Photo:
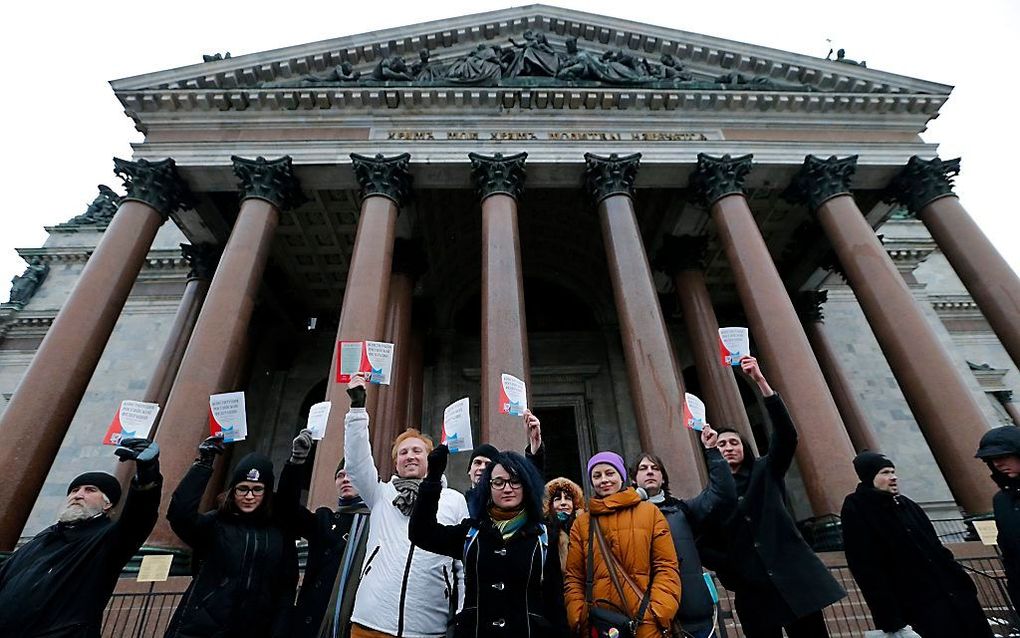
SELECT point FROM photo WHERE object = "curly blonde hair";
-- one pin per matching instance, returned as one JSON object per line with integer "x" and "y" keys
{"x": 565, "y": 486}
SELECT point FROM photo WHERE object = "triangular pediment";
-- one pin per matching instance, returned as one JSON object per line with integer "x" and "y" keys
{"x": 532, "y": 46}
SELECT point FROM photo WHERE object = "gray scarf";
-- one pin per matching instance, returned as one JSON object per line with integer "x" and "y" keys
{"x": 407, "y": 493}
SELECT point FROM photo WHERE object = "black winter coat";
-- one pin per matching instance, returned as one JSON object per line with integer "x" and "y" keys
{"x": 509, "y": 592}
{"x": 758, "y": 553}
{"x": 685, "y": 518}
{"x": 247, "y": 570}
{"x": 1006, "y": 503}
{"x": 906, "y": 575}
{"x": 327, "y": 534}
{"x": 57, "y": 585}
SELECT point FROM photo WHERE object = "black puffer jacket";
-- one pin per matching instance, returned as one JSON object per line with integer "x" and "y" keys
{"x": 508, "y": 590}
{"x": 1003, "y": 441}
{"x": 905, "y": 573}
{"x": 685, "y": 518}
{"x": 758, "y": 552}
{"x": 247, "y": 570}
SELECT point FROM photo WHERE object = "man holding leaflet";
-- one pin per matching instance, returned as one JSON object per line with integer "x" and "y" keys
{"x": 328, "y": 532}
{"x": 405, "y": 591}
{"x": 482, "y": 455}
{"x": 757, "y": 551}
{"x": 57, "y": 585}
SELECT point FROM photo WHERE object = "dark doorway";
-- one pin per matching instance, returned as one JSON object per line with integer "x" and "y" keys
{"x": 559, "y": 437}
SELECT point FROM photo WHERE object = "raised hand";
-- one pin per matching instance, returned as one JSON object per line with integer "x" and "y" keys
{"x": 356, "y": 389}
{"x": 301, "y": 447}
{"x": 534, "y": 431}
{"x": 709, "y": 437}
{"x": 209, "y": 449}
{"x": 437, "y": 463}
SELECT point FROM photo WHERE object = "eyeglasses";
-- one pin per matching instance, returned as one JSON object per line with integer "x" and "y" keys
{"x": 500, "y": 483}
{"x": 244, "y": 490}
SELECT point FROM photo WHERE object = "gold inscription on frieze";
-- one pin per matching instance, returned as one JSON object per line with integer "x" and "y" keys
{"x": 410, "y": 135}
{"x": 565, "y": 136}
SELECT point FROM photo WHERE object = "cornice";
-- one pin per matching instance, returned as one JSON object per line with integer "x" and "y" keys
{"x": 156, "y": 259}
{"x": 138, "y": 103}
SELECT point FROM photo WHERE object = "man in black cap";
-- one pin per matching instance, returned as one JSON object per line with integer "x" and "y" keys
{"x": 1000, "y": 449}
{"x": 336, "y": 546}
{"x": 906, "y": 575}
{"x": 482, "y": 455}
{"x": 57, "y": 585}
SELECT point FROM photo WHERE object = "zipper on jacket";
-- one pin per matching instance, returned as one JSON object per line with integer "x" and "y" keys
{"x": 527, "y": 584}
{"x": 403, "y": 592}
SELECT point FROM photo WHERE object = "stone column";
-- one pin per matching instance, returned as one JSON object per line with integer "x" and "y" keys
{"x": 202, "y": 258}
{"x": 809, "y": 305}
{"x": 500, "y": 181}
{"x": 824, "y": 452}
{"x": 216, "y": 349}
{"x": 391, "y": 413}
{"x": 656, "y": 387}
{"x": 416, "y": 376}
{"x": 46, "y": 399}
{"x": 385, "y": 184}
{"x": 945, "y": 409}
{"x": 682, "y": 258}
{"x": 926, "y": 189}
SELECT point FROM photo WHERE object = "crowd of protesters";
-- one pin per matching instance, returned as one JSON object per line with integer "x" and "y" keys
{"x": 407, "y": 556}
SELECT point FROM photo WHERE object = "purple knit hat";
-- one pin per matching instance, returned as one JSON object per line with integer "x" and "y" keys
{"x": 611, "y": 458}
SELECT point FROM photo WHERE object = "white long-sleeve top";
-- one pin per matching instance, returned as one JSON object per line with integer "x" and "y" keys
{"x": 404, "y": 590}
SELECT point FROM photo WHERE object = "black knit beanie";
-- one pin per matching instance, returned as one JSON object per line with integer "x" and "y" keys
{"x": 869, "y": 464}
{"x": 486, "y": 450}
{"x": 256, "y": 468}
{"x": 107, "y": 484}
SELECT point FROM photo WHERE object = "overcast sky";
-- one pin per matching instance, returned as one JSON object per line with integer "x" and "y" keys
{"x": 62, "y": 125}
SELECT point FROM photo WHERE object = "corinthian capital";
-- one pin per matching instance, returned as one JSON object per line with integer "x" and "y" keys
{"x": 923, "y": 181}
{"x": 819, "y": 180}
{"x": 716, "y": 177}
{"x": 613, "y": 175}
{"x": 498, "y": 174}
{"x": 383, "y": 176}
{"x": 154, "y": 183}
{"x": 271, "y": 180}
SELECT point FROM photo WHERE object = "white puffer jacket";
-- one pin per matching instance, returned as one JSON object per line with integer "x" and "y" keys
{"x": 404, "y": 590}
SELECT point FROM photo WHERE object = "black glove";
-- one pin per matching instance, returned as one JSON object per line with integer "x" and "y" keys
{"x": 437, "y": 463}
{"x": 301, "y": 447}
{"x": 145, "y": 454}
{"x": 208, "y": 449}
{"x": 357, "y": 395}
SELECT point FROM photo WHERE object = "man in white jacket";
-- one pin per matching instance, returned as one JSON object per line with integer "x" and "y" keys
{"x": 405, "y": 591}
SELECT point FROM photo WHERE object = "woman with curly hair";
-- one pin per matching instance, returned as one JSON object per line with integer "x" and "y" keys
{"x": 513, "y": 583}
{"x": 563, "y": 501}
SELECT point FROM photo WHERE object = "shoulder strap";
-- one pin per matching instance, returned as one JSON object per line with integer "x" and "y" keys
{"x": 614, "y": 566}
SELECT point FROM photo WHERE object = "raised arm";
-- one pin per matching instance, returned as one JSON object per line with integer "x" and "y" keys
{"x": 783, "y": 444}
{"x": 719, "y": 497}
{"x": 357, "y": 447}
{"x": 141, "y": 508}
{"x": 423, "y": 529}
{"x": 288, "y": 492}
{"x": 193, "y": 528}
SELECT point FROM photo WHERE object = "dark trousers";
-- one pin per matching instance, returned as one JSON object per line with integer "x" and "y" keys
{"x": 810, "y": 626}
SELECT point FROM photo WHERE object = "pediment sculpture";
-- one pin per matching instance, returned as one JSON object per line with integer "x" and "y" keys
{"x": 534, "y": 61}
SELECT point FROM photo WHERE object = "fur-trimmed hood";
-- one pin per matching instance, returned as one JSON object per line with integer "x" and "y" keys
{"x": 562, "y": 484}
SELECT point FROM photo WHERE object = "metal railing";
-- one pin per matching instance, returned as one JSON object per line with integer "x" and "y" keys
{"x": 139, "y": 615}
{"x": 146, "y": 615}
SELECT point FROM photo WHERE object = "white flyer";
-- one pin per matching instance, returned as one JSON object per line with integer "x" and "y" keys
{"x": 133, "y": 420}
{"x": 694, "y": 412}
{"x": 513, "y": 395}
{"x": 227, "y": 416}
{"x": 734, "y": 344}
{"x": 379, "y": 356}
{"x": 318, "y": 416}
{"x": 457, "y": 426}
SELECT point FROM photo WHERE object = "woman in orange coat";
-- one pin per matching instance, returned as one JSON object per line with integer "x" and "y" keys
{"x": 641, "y": 555}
